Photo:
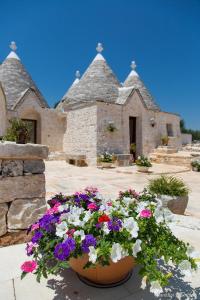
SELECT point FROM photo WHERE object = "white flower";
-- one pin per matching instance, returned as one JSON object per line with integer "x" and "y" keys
{"x": 185, "y": 268}
{"x": 61, "y": 229}
{"x": 87, "y": 216}
{"x": 158, "y": 214}
{"x": 63, "y": 207}
{"x": 131, "y": 226}
{"x": 128, "y": 200}
{"x": 124, "y": 211}
{"x": 142, "y": 205}
{"x": 116, "y": 252}
{"x": 105, "y": 228}
{"x": 156, "y": 288}
{"x": 136, "y": 247}
{"x": 92, "y": 254}
{"x": 80, "y": 233}
{"x": 124, "y": 253}
{"x": 144, "y": 282}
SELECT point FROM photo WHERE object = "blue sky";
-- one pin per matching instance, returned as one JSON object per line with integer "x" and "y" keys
{"x": 57, "y": 37}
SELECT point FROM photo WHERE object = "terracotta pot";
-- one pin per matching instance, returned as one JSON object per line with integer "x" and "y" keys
{"x": 176, "y": 205}
{"x": 113, "y": 273}
{"x": 106, "y": 164}
{"x": 143, "y": 169}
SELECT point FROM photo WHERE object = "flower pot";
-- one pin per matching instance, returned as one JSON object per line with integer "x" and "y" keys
{"x": 176, "y": 204}
{"x": 111, "y": 274}
{"x": 106, "y": 164}
{"x": 143, "y": 169}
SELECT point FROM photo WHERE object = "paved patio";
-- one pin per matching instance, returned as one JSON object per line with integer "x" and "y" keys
{"x": 65, "y": 178}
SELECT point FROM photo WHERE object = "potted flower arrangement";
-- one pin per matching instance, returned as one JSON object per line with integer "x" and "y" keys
{"x": 106, "y": 160}
{"x": 102, "y": 240}
{"x": 172, "y": 192}
{"x": 165, "y": 140}
{"x": 143, "y": 164}
{"x": 195, "y": 165}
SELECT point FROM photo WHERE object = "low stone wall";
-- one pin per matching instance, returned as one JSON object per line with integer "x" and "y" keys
{"x": 22, "y": 188}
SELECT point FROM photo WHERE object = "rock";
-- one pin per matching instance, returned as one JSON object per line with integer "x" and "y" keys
{"x": 3, "y": 212}
{"x": 23, "y": 212}
{"x": 20, "y": 151}
{"x": 12, "y": 238}
{"x": 12, "y": 168}
{"x": 34, "y": 166}
{"x": 22, "y": 187}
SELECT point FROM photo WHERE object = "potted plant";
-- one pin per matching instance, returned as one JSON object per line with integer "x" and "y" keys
{"x": 171, "y": 191}
{"x": 19, "y": 132}
{"x": 133, "y": 150}
{"x": 165, "y": 140}
{"x": 102, "y": 240}
{"x": 195, "y": 165}
{"x": 143, "y": 163}
{"x": 111, "y": 127}
{"x": 106, "y": 160}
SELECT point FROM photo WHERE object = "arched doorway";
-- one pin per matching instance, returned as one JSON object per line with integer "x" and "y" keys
{"x": 33, "y": 119}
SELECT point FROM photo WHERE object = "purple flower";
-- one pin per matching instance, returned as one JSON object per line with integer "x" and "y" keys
{"x": 87, "y": 242}
{"x": 37, "y": 236}
{"x": 47, "y": 222}
{"x": 63, "y": 250}
{"x": 115, "y": 224}
{"x": 84, "y": 197}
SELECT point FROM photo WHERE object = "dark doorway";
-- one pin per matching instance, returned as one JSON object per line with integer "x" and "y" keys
{"x": 33, "y": 130}
{"x": 132, "y": 131}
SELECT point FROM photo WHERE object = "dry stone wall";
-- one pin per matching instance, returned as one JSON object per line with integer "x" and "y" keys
{"x": 22, "y": 186}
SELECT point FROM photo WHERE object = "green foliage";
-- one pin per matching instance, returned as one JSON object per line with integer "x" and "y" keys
{"x": 17, "y": 127}
{"x": 195, "y": 133}
{"x": 196, "y": 164}
{"x": 132, "y": 148}
{"x": 168, "y": 185}
{"x": 106, "y": 157}
{"x": 143, "y": 161}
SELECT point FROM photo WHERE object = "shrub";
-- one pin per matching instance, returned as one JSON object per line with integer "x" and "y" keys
{"x": 168, "y": 185}
{"x": 196, "y": 164}
{"x": 106, "y": 157}
{"x": 143, "y": 161}
{"x": 165, "y": 140}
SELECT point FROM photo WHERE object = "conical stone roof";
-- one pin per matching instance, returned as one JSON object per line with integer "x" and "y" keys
{"x": 98, "y": 83}
{"x": 133, "y": 80}
{"x": 16, "y": 80}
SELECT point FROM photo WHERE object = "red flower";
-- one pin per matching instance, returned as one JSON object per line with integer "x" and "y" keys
{"x": 103, "y": 218}
{"x": 29, "y": 266}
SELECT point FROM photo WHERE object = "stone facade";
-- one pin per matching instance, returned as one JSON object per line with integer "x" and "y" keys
{"x": 22, "y": 187}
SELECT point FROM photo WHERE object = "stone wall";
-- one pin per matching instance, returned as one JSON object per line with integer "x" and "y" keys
{"x": 81, "y": 133}
{"x": 22, "y": 187}
{"x": 186, "y": 138}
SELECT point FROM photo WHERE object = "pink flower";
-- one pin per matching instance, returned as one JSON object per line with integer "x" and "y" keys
{"x": 35, "y": 226}
{"x": 109, "y": 203}
{"x": 91, "y": 189}
{"x": 29, "y": 248}
{"x": 70, "y": 232}
{"x": 29, "y": 266}
{"x": 53, "y": 210}
{"x": 145, "y": 213}
{"x": 92, "y": 206}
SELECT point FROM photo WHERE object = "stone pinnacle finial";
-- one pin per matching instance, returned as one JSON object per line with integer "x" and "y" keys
{"x": 77, "y": 74}
{"x": 99, "y": 47}
{"x": 13, "y": 46}
{"x": 133, "y": 65}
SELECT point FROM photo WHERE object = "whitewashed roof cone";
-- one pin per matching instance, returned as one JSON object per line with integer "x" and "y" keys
{"x": 16, "y": 80}
{"x": 133, "y": 80}
{"x": 97, "y": 83}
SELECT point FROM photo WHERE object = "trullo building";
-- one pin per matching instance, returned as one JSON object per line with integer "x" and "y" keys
{"x": 96, "y": 114}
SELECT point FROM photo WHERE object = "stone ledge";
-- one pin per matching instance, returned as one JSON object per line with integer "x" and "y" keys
{"x": 12, "y": 151}
{"x": 22, "y": 187}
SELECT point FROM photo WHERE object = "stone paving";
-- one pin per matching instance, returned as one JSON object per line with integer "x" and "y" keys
{"x": 66, "y": 178}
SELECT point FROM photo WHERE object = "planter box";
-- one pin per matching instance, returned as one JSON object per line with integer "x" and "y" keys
{"x": 176, "y": 205}
{"x": 143, "y": 169}
{"x": 106, "y": 164}
{"x": 111, "y": 274}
